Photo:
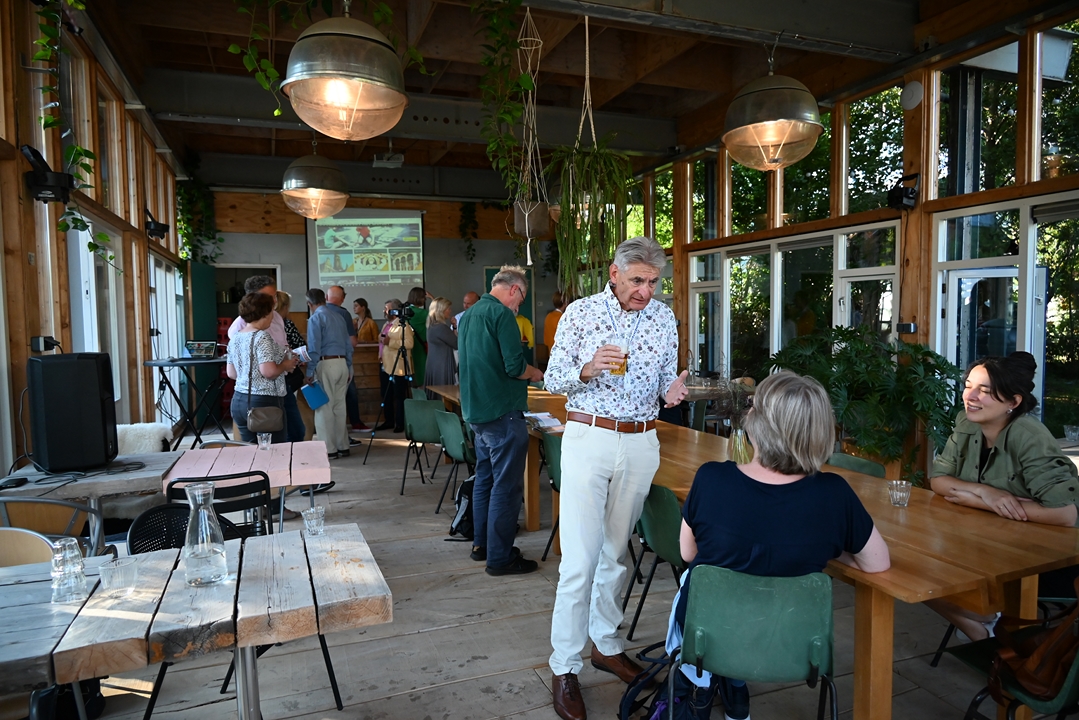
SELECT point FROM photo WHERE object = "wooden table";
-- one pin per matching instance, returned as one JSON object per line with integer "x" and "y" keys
{"x": 281, "y": 587}
{"x": 286, "y": 464}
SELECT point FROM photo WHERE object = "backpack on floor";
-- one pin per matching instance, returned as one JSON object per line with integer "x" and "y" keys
{"x": 644, "y": 701}
{"x": 462, "y": 520}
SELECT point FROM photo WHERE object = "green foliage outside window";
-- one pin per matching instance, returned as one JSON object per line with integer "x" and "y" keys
{"x": 805, "y": 184}
{"x": 1060, "y": 118}
{"x": 997, "y": 133}
{"x": 750, "y": 299}
{"x": 876, "y": 149}
{"x": 703, "y": 191}
{"x": 1058, "y": 249}
{"x": 664, "y": 193}
{"x": 749, "y": 193}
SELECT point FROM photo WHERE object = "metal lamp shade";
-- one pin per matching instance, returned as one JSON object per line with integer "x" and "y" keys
{"x": 314, "y": 187}
{"x": 345, "y": 80}
{"x": 772, "y": 123}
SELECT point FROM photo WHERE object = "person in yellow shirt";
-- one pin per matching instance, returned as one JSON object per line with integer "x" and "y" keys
{"x": 528, "y": 337}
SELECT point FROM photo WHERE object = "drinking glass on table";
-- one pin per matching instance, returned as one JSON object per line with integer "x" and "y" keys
{"x": 264, "y": 440}
{"x": 68, "y": 573}
{"x": 118, "y": 577}
{"x": 1071, "y": 433}
{"x": 899, "y": 492}
{"x": 314, "y": 520}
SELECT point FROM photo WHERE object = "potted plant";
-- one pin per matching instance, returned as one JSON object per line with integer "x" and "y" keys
{"x": 881, "y": 391}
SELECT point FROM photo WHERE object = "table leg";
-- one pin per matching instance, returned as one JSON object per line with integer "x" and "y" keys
{"x": 874, "y": 616}
{"x": 532, "y": 520}
{"x": 80, "y": 705}
{"x": 1020, "y": 600}
{"x": 556, "y": 546}
{"x": 247, "y": 684}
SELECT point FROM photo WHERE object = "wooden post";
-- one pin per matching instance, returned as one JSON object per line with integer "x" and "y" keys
{"x": 648, "y": 195}
{"x": 723, "y": 193}
{"x": 1028, "y": 141}
{"x": 837, "y": 179}
{"x": 683, "y": 235}
{"x": 1020, "y": 600}
{"x": 915, "y": 246}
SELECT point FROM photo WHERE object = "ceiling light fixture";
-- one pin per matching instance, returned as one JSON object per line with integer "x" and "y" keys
{"x": 345, "y": 80}
{"x": 772, "y": 122}
{"x": 314, "y": 187}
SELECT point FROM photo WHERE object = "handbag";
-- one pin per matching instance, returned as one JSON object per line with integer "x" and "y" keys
{"x": 261, "y": 419}
{"x": 1039, "y": 663}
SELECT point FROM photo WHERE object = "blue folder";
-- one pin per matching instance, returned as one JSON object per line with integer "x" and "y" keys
{"x": 314, "y": 394}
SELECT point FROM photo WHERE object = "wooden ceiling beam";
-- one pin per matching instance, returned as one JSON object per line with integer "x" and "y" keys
{"x": 418, "y": 14}
{"x": 648, "y": 53}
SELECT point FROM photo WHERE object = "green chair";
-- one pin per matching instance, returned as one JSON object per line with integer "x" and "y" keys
{"x": 659, "y": 528}
{"x": 760, "y": 629}
{"x": 857, "y": 464}
{"x": 697, "y": 411}
{"x": 979, "y": 656}
{"x": 421, "y": 428}
{"x": 552, "y": 449}
{"x": 452, "y": 432}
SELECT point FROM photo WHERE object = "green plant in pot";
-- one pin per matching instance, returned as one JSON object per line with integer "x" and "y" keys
{"x": 880, "y": 391}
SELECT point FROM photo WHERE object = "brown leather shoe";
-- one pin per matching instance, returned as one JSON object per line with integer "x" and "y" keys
{"x": 619, "y": 665}
{"x": 568, "y": 702}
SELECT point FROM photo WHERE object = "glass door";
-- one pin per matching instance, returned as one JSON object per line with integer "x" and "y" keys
{"x": 981, "y": 313}
{"x": 869, "y": 301}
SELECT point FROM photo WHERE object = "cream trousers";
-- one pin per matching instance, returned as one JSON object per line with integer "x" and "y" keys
{"x": 330, "y": 419}
{"x": 605, "y": 480}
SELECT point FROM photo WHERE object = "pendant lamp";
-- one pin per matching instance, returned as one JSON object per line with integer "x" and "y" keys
{"x": 345, "y": 80}
{"x": 314, "y": 187}
{"x": 772, "y": 122}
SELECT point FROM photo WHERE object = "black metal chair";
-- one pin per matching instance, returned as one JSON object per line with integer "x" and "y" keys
{"x": 253, "y": 498}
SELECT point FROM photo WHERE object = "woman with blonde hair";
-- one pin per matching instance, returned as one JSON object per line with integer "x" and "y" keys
{"x": 441, "y": 343}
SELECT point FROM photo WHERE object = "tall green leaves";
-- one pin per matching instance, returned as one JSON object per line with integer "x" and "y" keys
{"x": 196, "y": 222}
{"x": 595, "y": 191}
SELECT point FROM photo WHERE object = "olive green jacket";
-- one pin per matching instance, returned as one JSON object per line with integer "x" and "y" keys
{"x": 1026, "y": 461}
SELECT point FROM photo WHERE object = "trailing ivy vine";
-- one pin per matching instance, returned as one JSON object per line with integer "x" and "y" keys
{"x": 501, "y": 87}
{"x": 468, "y": 227}
{"x": 291, "y": 12}
{"x": 196, "y": 222}
{"x": 77, "y": 159}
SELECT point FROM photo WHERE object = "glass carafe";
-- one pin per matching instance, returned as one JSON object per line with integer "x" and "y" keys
{"x": 740, "y": 451}
{"x": 204, "y": 547}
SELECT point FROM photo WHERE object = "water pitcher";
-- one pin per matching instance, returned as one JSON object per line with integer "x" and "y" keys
{"x": 204, "y": 547}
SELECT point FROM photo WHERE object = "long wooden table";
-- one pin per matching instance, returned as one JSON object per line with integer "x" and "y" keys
{"x": 939, "y": 550}
{"x": 281, "y": 587}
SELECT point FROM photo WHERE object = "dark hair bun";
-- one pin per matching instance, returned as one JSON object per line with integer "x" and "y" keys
{"x": 1022, "y": 366}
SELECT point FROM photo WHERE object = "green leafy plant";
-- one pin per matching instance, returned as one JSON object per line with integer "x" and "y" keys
{"x": 291, "y": 12}
{"x": 596, "y": 184}
{"x": 468, "y": 227}
{"x": 501, "y": 87}
{"x": 77, "y": 159}
{"x": 880, "y": 391}
{"x": 196, "y": 222}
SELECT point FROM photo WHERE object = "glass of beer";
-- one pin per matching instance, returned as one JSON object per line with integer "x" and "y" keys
{"x": 622, "y": 342}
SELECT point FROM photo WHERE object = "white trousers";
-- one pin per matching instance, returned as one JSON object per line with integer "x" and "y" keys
{"x": 330, "y": 419}
{"x": 605, "y": 480}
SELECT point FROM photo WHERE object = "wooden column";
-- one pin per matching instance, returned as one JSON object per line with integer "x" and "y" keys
{"x": 774, "y": 202}
{"x": 683, "y": 235}
{"x": 723, "y": 193}
{"x": 837, "y": 179}
{"x": 648, "y": 197}
{"x": 1028, "y": 130}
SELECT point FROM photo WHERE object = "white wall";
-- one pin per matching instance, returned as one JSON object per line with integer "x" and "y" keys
{"x": 288, "y": 251}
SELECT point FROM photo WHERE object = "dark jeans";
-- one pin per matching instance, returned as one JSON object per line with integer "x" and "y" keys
{"x": 352, "y": 404}
{"x": 294, "y": 427}
{"x": 239, "y": 415}
{"x": 501, "y": 449}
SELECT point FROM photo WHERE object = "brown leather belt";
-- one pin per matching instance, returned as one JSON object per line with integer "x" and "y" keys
{"x": 622, "y": 426}
{"x": 332, "y": 357}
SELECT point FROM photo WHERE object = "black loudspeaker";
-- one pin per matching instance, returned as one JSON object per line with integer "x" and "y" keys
{"x": 72, "y": 411}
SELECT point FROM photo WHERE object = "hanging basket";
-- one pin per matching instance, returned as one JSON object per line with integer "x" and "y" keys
{"x": 531, "y": 219}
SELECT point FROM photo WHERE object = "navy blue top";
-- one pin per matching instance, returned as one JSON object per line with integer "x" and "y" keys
{"x": 771, "y": 530}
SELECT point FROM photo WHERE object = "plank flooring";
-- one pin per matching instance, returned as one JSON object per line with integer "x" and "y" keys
{"x": 463, "y": 645}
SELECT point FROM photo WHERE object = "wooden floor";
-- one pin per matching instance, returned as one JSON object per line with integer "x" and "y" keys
{"x": 464, "y": 645}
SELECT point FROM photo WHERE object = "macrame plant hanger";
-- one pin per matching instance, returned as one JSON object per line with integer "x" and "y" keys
{"x": 531, "y": 207}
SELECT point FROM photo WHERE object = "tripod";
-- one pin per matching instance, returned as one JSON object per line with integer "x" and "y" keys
{"x": 402, "y": 358}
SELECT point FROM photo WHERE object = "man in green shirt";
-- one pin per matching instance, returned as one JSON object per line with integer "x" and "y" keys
{"x": 417, "y": 296}
{"x": 494, "y": 395}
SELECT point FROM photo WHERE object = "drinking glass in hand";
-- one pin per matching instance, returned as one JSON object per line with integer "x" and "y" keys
{"x": 899, "y": 492}
{"x": 622, "y": 342}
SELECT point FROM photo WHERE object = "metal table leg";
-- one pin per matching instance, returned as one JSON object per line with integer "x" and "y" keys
{"x": 247, "y": 684}
{"x": 80, "y": 706}
{"x": 95, "y": 504}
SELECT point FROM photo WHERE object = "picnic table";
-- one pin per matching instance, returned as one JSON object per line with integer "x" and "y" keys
{"x": 281, "y": 587}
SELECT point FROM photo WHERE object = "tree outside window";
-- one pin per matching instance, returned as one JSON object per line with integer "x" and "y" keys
{"x": 875, "y": 150}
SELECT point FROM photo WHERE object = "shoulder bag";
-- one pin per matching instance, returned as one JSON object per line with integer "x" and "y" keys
{"x": 261, "y": 419}
{"x": 1040, "y": 663}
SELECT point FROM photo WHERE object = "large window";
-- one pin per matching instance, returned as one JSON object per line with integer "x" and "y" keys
{"x": 750, "y": 313}
{"x": 704, "y": 198}
{"x": 807, "y": 289}
{"x": 97, "y": 320}
{"x": 806, "y": 183}
{"x": 749, "y": 196}
{"x": 1060, "y": 101}
{"x": 166, "y": 327}
{"x": 978, "y": 122}
{"x": 1058, "y": 254}
{"x": 875, "y": 150}
{"x": 664, "y": 194}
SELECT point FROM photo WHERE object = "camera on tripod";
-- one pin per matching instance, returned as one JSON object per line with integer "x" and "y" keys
{"x": 405, "y": 312}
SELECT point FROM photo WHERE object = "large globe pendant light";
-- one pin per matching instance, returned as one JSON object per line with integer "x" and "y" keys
{"x": 345, "y": 80}
{"x": 772, "y": 122}
{"x": 314, "y": 187}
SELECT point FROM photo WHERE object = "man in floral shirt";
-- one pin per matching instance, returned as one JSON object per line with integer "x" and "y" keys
{"x": 609, "y": 455}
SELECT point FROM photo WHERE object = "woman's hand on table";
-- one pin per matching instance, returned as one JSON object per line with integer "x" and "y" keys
{"x": 1002, "y": 503}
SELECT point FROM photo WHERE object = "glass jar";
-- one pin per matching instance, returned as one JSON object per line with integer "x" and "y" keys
{"x": 204, "y": 546}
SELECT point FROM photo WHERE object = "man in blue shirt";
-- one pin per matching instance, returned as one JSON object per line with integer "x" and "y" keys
{"x": 335, "y": 299}
{"x": 330, "y": 349}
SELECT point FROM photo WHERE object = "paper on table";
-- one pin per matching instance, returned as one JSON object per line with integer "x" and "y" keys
{"x": 543, "y": 419}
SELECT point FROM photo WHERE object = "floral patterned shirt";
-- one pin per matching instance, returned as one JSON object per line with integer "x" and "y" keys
{"x": 590, "y": 323}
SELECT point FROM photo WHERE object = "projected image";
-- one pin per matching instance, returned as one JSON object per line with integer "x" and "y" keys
{"x": 369, "y": 251}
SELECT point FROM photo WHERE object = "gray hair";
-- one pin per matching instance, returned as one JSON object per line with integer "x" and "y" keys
{"x": 394, "y": 304}
{"x": 316, "y": 297}
{"x": 511, "y": 275}
{"x": 791, "y": 424}
{"x": 640, "y": 251}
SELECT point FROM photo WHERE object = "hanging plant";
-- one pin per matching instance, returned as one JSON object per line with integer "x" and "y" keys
{"x": 596, "y": 182}
{"x": 196, "y": 222}
{"x": 468, "y": 227}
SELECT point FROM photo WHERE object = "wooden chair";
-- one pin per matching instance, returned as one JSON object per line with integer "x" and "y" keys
{"x": 55, "y": 518}
{"x": 857, "y": 464}
{"x": 22, "y": 547}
